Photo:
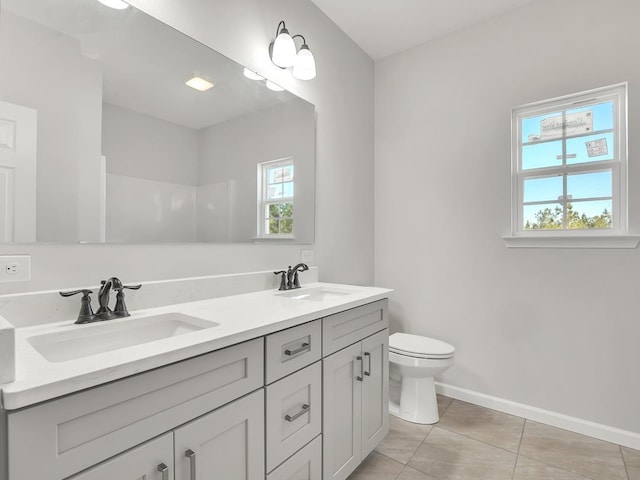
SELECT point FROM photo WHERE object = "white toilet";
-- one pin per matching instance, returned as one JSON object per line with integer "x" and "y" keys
{"x": 413, "y": 362}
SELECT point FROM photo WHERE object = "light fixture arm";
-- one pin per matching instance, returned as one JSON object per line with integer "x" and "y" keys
{"x": 284, "y": 27}
{"x": 304, "y": 41}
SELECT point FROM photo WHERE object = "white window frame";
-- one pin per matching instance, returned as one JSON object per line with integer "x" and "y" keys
{"x": 618, "y": 166}
{"x": 263, "y": 202}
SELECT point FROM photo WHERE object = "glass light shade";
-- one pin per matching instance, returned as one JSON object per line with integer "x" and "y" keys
{"x": 274, "y": 86}
{"x": 283, "y": 53}
{"x": 304, "y": 67}
{"x": 117, "y": 4}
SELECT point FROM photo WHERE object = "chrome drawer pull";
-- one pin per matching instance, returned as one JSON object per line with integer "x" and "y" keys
{"x": 164, "y": 470}
{"x": 191, "y": 455}
{"x": 368, "y": 355}
{"x": 303, "y": 348}
{"x": 361, "y": 368}
{"x": 291, "y": 418}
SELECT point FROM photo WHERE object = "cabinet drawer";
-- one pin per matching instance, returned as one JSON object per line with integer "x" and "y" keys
{"x": 67, "y": 435}
{"x": 304, "y": 465}
{"x": 293, "y": 413}
{"x": 293, "y": 349}
{"x": 146, "y": 461}
{"x": 351, "y": 326}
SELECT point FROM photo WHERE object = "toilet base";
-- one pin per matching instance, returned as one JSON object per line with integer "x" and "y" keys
{"x": 414, "y": 400}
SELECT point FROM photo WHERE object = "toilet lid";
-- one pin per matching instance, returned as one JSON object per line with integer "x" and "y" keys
{"x": 419, "y": 346}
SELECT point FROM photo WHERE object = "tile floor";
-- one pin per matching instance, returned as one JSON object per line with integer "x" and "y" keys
{"x": 475, "y": 443}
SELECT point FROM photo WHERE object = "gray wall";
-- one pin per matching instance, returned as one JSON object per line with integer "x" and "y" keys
{"x": 68, "y": 122}
{"x": 232, "y": 150}
{"x": 343, "y": 95}
{"x": 555, "y": 329}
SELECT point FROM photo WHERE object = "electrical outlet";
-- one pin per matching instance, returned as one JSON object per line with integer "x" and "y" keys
{"x": 306, "y": 256}
{"x": 15, "y": 268}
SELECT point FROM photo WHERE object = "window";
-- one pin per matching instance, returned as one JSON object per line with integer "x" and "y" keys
{"x": 569, "y": 165}
{"x": 275, "y": 199}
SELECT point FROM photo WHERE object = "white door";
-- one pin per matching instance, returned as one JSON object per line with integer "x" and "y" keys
{"x": 375, "y": 390}
{"x": 226, "y": 444}
{"x": 18, "y": 138}
{"x": 152, "y": 460}
{"x": 342, "y": 420}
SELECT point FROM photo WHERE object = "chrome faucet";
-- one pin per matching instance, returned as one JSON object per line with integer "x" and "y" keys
{"x": 289, "y": 278}
{"x": 292, "y": 275}
{"x": 86, "y": 314}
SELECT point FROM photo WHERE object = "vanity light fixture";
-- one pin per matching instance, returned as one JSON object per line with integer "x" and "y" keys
{"x": 250, "y": 74}
{"x": 199, "y": 83}
{"x": 284, "y": 54}
{"x": 117, "y": 4}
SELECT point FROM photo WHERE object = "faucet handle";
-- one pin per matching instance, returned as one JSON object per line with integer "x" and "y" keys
{"x": 121, "y": 307}
{"x": 86, "y": 314}
{"x": 283, "y": 279}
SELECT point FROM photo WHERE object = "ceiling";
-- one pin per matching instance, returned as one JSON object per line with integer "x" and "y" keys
{"x": 383, "y": 27}
{"x": 145, "y": 63}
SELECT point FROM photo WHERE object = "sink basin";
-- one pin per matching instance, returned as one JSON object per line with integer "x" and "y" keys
{"x": 85, "y": 340}
{"x": 317, "y": 294}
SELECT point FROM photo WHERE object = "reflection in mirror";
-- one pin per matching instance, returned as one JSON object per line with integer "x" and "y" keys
{"x": 102, "y": 140}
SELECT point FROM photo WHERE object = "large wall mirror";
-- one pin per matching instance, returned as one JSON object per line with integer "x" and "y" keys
{"x": 101, "y": 139}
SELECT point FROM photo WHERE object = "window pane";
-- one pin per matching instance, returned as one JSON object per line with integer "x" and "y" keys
{"x": 589, "y": 215}
{"x": 287, "y": 173}
{"x": 274, "y": 191}
{"x": 286, "y": 210}
{"x": 542, "y": 189}
{"x": 274, "y": 210}
{"x": 548, "y": 154}
{"x": 593, "y": 148}
{"x": 287, "y": 189}
{"x": 586, "y": 185}
{"x": 531, "y": 131}
{"x": 602, "y": 114}
{"x": 286, "y": 226}
{"x": 274, "y": 174}
{"x": 274, "y": 226}
{"x": 542, "y": 217}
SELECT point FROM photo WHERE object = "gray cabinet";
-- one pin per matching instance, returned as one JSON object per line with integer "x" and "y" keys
{"x": 225, "y": 444}
{"x": 323, "y": 409}
{"x": 355, "y": 389}
{"x": 151, "y": 460}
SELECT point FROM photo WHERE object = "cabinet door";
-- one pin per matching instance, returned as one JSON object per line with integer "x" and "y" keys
{"x": 375, "y": 390}
{"x": 152, "y": 460}
{"x": 225, "y": 444}
{"x": 342, "y": 393}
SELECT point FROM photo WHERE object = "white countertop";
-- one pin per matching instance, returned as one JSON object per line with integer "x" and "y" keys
{"x": 240, "y": 317}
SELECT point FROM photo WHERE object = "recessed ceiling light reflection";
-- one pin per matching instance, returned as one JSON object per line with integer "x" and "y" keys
{"x": 252, "y": 75}
{"x": 273, "y": 86}
{"x": 117, "y": 4}
{"x": 199, "y": 83}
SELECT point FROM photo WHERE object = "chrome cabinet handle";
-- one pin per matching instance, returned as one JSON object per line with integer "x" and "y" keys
{"x": 291, "y": 418}
{"x": 302, "y": 348}
{"x": 164, "y": 470}
{"x": 191, "y": 455}
{"x": 368, "y": 355}
{"x": 359, "y": 378}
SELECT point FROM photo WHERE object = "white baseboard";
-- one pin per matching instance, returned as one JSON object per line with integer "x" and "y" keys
{"x": 573, "y": 424}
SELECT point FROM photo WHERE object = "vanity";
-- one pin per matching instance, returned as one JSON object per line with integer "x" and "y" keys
{"x": 264, "y": 385}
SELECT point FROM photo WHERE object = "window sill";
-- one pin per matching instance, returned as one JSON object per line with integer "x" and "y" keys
{"x": 282, "y": 239}
{"x": 575, "y": 241}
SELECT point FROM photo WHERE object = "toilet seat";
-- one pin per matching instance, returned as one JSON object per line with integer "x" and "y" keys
{"x": 419, "y": 347}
